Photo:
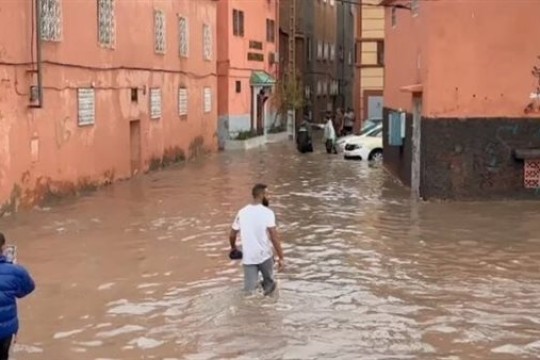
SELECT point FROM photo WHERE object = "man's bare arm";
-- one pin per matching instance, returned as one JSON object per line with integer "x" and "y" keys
{"x": 232, "y": 238}
{"x": 274, "y": 237}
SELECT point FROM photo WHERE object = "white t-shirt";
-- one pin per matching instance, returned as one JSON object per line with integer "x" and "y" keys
{"x": 253, "y": 222}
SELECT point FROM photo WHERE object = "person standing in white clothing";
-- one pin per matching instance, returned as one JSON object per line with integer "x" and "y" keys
{"x": 256, "y": 224}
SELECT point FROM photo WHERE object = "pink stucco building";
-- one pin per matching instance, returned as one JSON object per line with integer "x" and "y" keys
{"x": 247, "y": 65}
{"x": 93, "y": 91}
{"x": 462, "y": 98}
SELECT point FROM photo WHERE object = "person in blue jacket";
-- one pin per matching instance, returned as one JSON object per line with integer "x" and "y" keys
{"x": 15, "y": 283}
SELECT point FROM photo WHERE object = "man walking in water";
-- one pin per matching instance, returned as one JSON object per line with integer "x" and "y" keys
{"x": 256, "y": 224}
{"x": 15, "y": 283}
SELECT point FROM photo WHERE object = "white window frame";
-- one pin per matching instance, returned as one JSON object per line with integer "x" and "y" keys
{"x": 106, "y": 23}
{"x": 208, "y": 43}
{"x": 183, "y": 101}
{"x": 155, "y": 96}
{"x": 88, "y": 119}
{"x": 51, "y": 20}
{"x": 183, "y": 37}
{"x": 160, "y": 43}
{"x": 207, "y": 100}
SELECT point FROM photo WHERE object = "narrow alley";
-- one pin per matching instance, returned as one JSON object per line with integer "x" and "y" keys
{"x": 139, "y": 270}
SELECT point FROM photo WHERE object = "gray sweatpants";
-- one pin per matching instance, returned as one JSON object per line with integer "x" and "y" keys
{"x": 251, "y": 277}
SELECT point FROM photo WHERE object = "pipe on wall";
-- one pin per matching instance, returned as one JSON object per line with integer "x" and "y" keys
{"x": 39, "y": 60}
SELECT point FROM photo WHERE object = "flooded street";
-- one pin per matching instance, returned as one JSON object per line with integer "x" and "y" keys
{"x": 139, "y": 270}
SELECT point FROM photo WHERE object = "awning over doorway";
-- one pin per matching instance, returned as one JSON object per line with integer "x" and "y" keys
{"x": 261, "y": 78}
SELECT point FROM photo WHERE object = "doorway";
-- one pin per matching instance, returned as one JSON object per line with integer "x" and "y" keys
{"x": 135, "y": 146}
{"x": 373, "y": 104}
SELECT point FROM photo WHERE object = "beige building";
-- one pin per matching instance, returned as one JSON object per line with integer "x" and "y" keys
{"x": 369, "y": 60}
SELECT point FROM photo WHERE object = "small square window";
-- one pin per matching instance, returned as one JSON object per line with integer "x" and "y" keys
{"x": 134, "y": 95}
{"x": 238, "y": 87}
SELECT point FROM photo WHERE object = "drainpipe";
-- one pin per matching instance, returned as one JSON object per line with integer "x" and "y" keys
{"x": 38, "y": 54}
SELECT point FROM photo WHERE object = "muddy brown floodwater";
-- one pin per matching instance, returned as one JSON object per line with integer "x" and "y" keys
{"x": 139, "y": 270}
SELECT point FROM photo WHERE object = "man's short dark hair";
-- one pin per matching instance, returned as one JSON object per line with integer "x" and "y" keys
{"x": 258, "y": 190}
{"x": 2, "y": 239}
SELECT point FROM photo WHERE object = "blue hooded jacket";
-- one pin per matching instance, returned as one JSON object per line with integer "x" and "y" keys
{"x": 15, "y": 283}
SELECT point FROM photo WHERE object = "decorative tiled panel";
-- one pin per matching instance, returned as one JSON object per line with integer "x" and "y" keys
{"x": 51, "y": 20}
{"x": 531, "y": 175}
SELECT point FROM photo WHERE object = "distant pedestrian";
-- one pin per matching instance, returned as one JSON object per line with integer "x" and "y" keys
{"x": 15, "y": 283}
{"x": 348, "y": 122}
{"x": 338, "y": 122}
{"x": 304, "y": 140}
{"x": 330, "y": 137}
{"x": 256, "y": 224}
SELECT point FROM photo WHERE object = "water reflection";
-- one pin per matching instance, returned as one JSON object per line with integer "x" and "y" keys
{"x": 139, "y": 270}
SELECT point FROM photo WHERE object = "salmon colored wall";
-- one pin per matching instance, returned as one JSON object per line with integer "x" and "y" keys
{"x": 233, "y": 61}
{"x": 406, "y": 59}
{"x": 70, "y": 156}
{"x": 481, "y": 58}
{"x": 471, "y": 61}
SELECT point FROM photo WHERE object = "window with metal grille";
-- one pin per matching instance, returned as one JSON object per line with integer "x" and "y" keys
{"x": 238, "y": 23}
{"x": 319, "y": 50}
{"x": 86, "y": 102}
{"x": 182, "y": 101}
{"x": 207, "y": 95}
{"x": 106, "y": 23}
{"x": 159, "y": 32}
{"x": 270, "y": 30}
{"x": 155, "y": 103}
{"x": 207, "y": 43}
{"x": 183, "y": 37}
{"x": 51, "y": 20}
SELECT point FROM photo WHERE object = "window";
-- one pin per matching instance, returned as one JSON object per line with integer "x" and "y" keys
{"x": 356, "y": 53}
{"x": 415, "y": 6}
{"x": 155, "y": 103}
{"x": 182, "y": 101}
{"x": 238, "y": 87}
{"x": 319, "y": 50}
{"x": 106, "y": 23}
{"x": 51, "y": 20}
{"x": 183, "y": 37}
{"x": 238, "y": 23}
{"x": 308, "y": 49}
{"x": 350, "y": 61}
{"x": 332, "y": 2}
{"x": 394, "y": 17}
{"x": 86, "y": 99}
{"x": 159, "y": 32}
{"x": 134, "y": 95}
{"x": 207, "y": 42}
{"x": 270, "y": 30}
{"x": 380, "y": 52}
{"x": 333, "y": 52}
{"x": 324, "y": 50}
{"x": 207, "y": 95}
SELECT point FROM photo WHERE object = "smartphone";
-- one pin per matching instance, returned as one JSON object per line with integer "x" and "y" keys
{"x": 10, "y": 252}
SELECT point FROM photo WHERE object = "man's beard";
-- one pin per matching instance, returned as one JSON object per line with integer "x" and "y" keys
{"x": 265, "y": 202}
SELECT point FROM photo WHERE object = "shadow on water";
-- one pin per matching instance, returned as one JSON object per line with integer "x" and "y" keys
{"x": 139, "y": 269}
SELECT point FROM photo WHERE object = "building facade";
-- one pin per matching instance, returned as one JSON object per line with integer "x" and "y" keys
{"x": 346, "y": 30}
{"x": 462, "y": 103}
{"x": 316, "y": 52}
{"x": 247, "y": 65}
{"x": 369, "y": 60}
{"x": 139, "y": 93}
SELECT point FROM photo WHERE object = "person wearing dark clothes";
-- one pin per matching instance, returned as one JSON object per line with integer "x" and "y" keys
{"x": 15, "y": 283}
{"x": 303, "y": 138}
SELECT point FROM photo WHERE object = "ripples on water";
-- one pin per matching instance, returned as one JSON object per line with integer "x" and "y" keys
{"x": 139, "y": 270}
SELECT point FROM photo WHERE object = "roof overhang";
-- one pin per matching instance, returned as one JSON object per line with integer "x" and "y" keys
{"x": 261, "y": 78}
{"x": 413, "y": 89}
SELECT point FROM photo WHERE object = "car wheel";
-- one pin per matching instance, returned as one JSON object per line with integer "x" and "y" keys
{"x": 376, "y": 155}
